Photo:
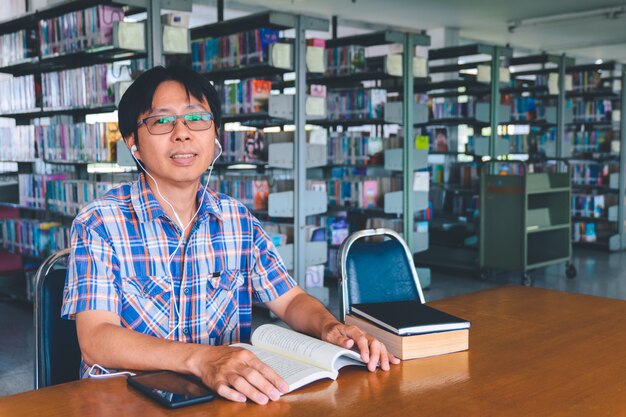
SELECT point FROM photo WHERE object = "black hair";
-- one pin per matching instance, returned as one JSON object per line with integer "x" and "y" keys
{"x": 138, "y": 97}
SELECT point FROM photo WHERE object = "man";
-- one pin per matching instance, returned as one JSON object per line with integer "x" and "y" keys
{"x": 163, "y": 271}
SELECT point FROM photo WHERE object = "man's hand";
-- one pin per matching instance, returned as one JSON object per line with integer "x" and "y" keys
{"x": 237, "y": 374}
{"x": 372, "y": 351}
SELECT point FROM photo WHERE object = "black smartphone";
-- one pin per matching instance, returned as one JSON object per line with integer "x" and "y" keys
{"x": 171, "y": 389}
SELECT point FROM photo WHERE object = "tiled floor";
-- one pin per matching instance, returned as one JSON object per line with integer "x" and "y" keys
{"x": 599, "y": 273}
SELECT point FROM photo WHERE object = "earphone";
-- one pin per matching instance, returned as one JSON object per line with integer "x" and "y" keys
{"x": 133, "y": 149}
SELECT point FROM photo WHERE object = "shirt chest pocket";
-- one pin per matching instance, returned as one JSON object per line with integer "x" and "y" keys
{"x": 146, "y": 304}
{"x": 222, "y": 305}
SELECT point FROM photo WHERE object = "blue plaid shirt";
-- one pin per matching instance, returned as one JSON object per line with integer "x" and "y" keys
{"x": 120, "y": 246}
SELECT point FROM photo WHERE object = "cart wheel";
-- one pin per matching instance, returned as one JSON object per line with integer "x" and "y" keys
{"x": 527, "y": 280}
{"x": 483, "y": 274}
{"x": 570, "y": 271}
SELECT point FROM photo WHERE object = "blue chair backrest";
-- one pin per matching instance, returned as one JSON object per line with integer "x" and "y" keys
{"x": 379, "y": 272}
{"x": 58, "y": 354}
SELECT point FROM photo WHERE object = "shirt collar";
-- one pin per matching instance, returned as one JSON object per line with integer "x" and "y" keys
{"x": 148, "y": 208}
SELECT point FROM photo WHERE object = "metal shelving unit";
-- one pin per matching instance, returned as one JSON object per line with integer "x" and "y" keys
{"x": 454, "y": 237}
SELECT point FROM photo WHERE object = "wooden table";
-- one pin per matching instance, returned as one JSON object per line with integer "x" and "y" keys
{"x": 533, "y": 352}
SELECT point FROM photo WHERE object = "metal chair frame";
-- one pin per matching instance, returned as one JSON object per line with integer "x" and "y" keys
{"x": 343, "y": 257}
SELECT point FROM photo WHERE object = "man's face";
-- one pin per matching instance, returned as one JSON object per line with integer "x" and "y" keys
{"x": 183, "y": 155}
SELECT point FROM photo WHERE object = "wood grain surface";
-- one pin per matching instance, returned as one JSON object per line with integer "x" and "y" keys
{"x": 533, "y": 352}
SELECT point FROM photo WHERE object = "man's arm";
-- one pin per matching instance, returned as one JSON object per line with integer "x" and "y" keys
{"x": 234, "y": 373}
{"x": 305, "y": 314}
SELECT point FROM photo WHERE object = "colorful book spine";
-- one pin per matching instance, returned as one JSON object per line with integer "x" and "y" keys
{"x": 19, "y": 144}
{"x": 32, "y": 189}
{"x": 77, "y": 88}
{"x": 16, "y": 47}
{"x": 246, "y": 96}
{"x": 79, "y": 30}
{"x": 18, "y": 94}
{"x": 59, "y": 238}
{"x": 70, "y": 196}
{"x": 589, "y": 173}
{"x": 354, "y": 104}
{"x": 593, "y": 110}
{"x": 596, "y": 206}
{"x": 244, "y": 146}
{"x": 251, "y": 191}
{"x": 444, "y": 108}
{"x": 26, "y": 236}
{"x": 232, "y": 51}
{"x": 345, "y": 60}
{"x": 348, "y": 148}
{"x": 80, "y": 142}
{"x": 592, "y": 141}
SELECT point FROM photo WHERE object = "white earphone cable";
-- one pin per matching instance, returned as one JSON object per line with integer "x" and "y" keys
{"x": 133, "y": 149}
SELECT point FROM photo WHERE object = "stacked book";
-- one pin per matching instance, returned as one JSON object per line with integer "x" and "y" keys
{"x": 410, "y": 329}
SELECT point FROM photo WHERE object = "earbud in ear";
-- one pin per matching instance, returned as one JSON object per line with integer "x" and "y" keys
{"x": 133, "y": 149}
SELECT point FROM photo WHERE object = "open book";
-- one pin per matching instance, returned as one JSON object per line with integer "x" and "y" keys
{"x": 299, "y": 359}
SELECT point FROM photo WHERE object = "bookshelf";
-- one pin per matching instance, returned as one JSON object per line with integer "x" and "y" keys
{"x": 597, "y": 155}
{"x": 539, "y": 107}
{"x": 368, "y": 192}
{"x": 254, "y": 46}
{"x": 57, "y": 77}
{"x": 466, "y": 109}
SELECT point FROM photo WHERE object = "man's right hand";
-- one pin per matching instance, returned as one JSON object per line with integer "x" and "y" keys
{"x": 237, "y": 374}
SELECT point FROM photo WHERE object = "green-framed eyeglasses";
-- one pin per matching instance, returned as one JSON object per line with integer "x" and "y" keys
{"x": 163, "y": 124}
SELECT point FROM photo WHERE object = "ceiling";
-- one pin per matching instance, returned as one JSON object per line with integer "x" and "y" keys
{"x": 588, "y": 38}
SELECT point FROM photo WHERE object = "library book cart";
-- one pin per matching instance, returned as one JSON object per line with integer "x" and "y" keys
{"x": 525, "y": 219}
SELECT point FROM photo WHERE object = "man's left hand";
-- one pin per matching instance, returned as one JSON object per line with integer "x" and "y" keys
{"x": 372, "y": 351}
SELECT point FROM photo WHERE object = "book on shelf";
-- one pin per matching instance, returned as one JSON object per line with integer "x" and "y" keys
{"x": 16, "y": 47}
{"x": 369, "y": 193}
{"x": 414, "y": 346}
{"x": 355, "y": 104}
{"x": 18, "y": 94}
{"x": 232, "y": 51}
{"x": 19, "y": 144}
{"x": 408, "y": 317}
{"x": 344, "y": 60}
{"x": 246, "y": 96}
{"x": 79, "y": 30}
{"x": 299, "y": 359}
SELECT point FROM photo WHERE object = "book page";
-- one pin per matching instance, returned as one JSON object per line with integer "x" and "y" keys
{"x": 296, "y": 374}
{"x": 303, "y": 348}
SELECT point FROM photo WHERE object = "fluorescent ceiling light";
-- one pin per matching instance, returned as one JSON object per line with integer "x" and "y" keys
{"x": 614, "y": 12}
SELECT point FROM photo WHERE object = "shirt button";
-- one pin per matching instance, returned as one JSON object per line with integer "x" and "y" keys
{"x": 145, "y": 291}
{"x": 186, "y": 290}
{"x": 186, "y": 331}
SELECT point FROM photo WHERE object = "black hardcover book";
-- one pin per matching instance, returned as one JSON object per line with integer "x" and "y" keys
{"x": 408, "y": 317}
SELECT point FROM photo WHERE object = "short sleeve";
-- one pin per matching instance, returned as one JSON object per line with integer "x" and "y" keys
{"x": 92, "y": 275}
{"x": 269, "y": 276}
